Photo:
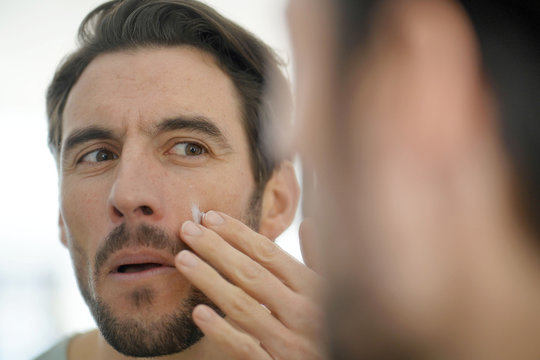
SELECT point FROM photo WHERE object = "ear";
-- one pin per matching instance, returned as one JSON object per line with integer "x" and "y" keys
{"x": 280, "y": 200}
{"x": 62, "y": 228}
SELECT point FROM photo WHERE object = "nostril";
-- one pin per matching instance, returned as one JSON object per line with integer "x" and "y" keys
{"x": 117, "y": 212}
{"x": 146, "y": 210}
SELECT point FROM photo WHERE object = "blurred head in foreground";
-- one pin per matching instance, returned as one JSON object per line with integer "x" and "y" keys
{"x": 420, "y": 139}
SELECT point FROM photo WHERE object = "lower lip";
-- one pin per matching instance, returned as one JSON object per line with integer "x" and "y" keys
{"x": 140, "y": 275}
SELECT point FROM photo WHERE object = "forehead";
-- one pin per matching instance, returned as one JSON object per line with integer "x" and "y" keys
{"x": 150, "y": 84}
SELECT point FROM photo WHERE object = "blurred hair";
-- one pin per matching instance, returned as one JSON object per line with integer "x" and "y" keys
{"x": 129, "y": 24}
{"x": 508, "y": 34}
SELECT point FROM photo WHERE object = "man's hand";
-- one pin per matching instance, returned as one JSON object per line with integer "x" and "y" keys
{"x": 240, "y": 271}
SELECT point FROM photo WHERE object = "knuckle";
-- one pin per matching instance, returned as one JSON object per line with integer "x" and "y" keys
{"x": 251, "y": 274}
{"x": 239, "y": 304}
{"x": 265, "y": 250}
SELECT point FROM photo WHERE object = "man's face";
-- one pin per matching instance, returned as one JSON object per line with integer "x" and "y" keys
{"x": 147, "y": 134}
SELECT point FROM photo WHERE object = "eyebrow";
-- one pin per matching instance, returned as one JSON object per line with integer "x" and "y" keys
{"x": 86, "y": 134}
{"x": 199, "y": 124}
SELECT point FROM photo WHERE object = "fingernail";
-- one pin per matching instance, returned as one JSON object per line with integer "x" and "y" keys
{"x": 187, "y": 259}
{"x": 189, "y": 228}
{"x": 213, "y": 218}
{"x": 203, "y": 313}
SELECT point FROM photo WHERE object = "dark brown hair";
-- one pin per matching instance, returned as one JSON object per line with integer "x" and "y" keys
{"x": 127, "y": 24}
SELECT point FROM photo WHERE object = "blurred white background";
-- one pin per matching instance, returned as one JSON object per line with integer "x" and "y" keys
{"x": 39, "y": 300}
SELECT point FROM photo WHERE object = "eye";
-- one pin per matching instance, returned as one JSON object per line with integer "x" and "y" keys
{"x": 188, "y": 149}
{"x": 98, "y": 155}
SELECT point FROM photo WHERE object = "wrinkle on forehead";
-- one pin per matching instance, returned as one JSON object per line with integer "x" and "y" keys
{"x": 121, "y": 88}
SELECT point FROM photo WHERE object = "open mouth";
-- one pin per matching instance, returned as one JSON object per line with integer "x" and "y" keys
{"x": 135, "y": 264}
{"x": 135, "y": 268}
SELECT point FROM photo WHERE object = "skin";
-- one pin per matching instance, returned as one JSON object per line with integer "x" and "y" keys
{"x": 146, "y": 177}
{"x": 429, "y": 246}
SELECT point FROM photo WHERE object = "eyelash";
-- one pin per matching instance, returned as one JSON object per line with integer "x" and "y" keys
{"x": 204, "y": 149}
{"x": 80, "y": 159}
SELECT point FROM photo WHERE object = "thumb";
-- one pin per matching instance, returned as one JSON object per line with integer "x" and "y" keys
{"x": 310, "y": 245}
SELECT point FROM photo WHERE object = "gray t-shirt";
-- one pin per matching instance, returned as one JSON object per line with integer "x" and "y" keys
{"x": 57, "y": 352}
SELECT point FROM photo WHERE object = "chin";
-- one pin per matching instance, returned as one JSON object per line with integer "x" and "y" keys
{"x": 143, "y": 326}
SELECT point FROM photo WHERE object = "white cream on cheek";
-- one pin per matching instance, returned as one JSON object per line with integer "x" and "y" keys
{"x": 196, "y": 213}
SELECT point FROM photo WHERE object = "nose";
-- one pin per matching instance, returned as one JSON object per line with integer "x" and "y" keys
{"x": 136, "y": 191}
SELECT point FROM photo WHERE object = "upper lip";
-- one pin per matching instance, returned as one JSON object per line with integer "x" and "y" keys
{"x": 131, "y": 256}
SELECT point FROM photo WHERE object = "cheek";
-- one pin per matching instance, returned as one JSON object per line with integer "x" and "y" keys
{"x": 226, "y": 191}
{"x": 84, "y": 212}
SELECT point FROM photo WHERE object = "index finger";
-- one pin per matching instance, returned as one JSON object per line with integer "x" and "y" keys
{"x": 290, "y": 271}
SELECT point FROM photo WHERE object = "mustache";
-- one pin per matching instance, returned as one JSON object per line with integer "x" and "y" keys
{"x": 143, "y": 235}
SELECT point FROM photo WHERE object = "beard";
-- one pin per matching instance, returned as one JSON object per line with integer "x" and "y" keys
{"x": 169, "y": 334}
{"x": 162, "y": 335}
